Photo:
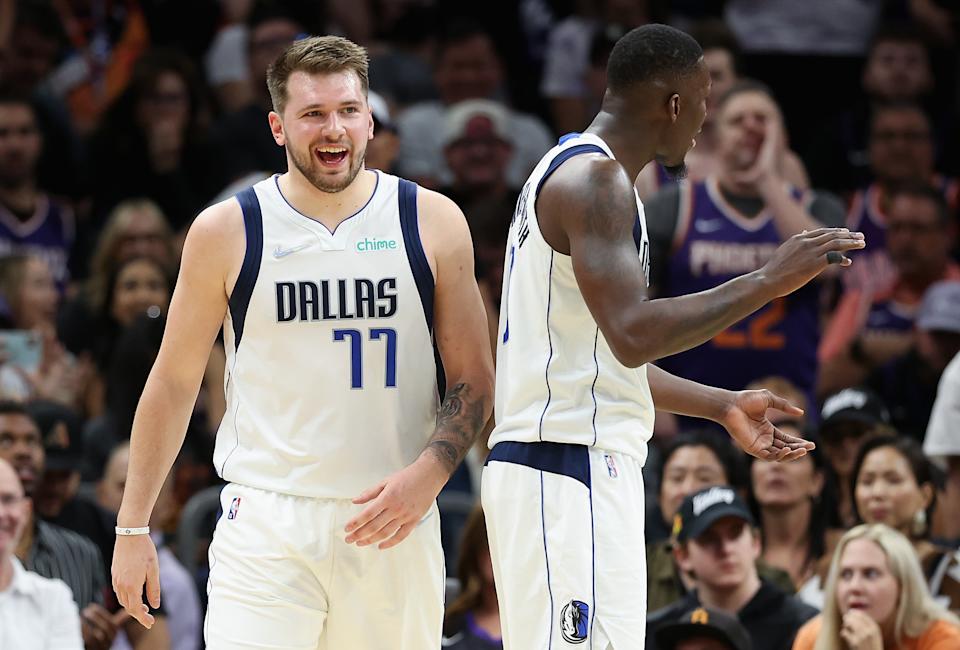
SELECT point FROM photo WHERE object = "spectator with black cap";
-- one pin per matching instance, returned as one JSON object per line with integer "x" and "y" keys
{"x": 717, "y": 541}
{"x": 57, "y": 498}
{"x": 691, "y": 461}
{"x": 847, "y": 419}
{"x": 703, "y": 628}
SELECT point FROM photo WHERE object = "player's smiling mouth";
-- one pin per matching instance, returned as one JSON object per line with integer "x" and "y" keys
{"x": 331, "y": 155}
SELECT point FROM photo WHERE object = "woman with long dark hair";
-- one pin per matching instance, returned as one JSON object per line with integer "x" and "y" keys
{"x": 795, "y": 506}
{"x": 895, "y": 484}
{"x": 472, "y": 620}
{"x": 151, "y": 142}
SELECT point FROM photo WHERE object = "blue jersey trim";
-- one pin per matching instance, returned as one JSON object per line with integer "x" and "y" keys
{"x": 247, "y": 280}
{"x": 593, "y": 563}
{"x": 563, "y": 157}
{"x": 569, "y": 136}
{"x": 276, "y": 181}
{"x": 546, "y": 371}
{"x": 546, "y": 558}
{"x": 593, "y": 386}
{"x": 422, "y": 275}
{"x": 554, "y": 457}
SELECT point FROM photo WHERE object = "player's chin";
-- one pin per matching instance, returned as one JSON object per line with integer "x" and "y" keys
{"x": 676, "y": 171}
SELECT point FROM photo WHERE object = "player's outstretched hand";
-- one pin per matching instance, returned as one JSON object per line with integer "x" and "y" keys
{"x": 135, "y": 564}
{"x": 805, "y": 255}
{"x": 397, "y": 504}
{"x": 746, "y": 420}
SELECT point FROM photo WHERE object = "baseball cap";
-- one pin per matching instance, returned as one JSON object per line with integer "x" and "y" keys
{"x": 855, "y": 404}
{"x": 61, "y": 429}
{"x": 704, "y": 622}
{"x": 380, "y": 111}
{"x": 702, "y": 509}
{"x": 476, "y": 117}
{"x": 940, "y": 308}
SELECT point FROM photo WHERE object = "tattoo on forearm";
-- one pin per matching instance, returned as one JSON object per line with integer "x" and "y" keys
{"x": 460, "y": 419}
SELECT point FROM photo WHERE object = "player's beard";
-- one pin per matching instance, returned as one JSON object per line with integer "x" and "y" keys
{"x": 307, "y": 164}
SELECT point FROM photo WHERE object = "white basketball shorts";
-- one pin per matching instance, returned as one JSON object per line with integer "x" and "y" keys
{"x": 282, "y": 577}
{"x": 565, "y": 524}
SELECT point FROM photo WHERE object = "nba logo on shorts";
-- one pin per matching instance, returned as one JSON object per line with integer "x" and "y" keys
{"x": 234, "y": 507}
{"x": 574, "y": 618}
{"x": 611, "y": 466}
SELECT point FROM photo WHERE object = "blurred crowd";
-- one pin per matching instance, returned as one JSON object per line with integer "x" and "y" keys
{"x": 121, "y": 119}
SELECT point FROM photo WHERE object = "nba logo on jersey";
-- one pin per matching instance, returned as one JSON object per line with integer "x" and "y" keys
{"x": 574, "y": 618}
{"x": 611, "y": 466}
{"x": 234, "y": 507}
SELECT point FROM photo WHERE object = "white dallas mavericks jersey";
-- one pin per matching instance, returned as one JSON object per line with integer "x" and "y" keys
{"x": 557, "y": 379}
{"x": 331, "y": 373}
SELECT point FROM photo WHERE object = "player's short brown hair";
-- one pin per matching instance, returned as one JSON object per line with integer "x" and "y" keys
{"x": 316, "y": 55}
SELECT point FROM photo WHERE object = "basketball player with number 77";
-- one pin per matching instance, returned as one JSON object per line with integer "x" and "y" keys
{"x": 349, "y": 308}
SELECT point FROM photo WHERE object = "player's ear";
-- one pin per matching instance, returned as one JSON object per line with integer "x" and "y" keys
{"x": 674, "y": 106}
{"x": 681, "y": 555}
{"x": 276, "y": 128}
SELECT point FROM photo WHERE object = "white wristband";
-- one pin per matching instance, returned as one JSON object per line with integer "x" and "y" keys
{"x": 125, "y": 532}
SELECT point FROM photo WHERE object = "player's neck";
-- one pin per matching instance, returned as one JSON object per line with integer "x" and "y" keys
{"x": 730, "y": 600}
{"x": 787, "y": 526}
{"x": 730, "y": 185}
{"x": 328, "y": 208}
{"x": 6, "y": 571}
{"x": 630, "y": 143}
{"x": 22, "y": 198}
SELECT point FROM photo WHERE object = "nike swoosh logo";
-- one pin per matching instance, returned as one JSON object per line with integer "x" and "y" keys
{"x": 283, "y": 252}
{"x": 446, "y": 642}
{"x": 708, "y": 226}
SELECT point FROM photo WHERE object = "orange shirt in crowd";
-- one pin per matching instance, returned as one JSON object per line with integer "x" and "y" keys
{"x": 941, "y": 635}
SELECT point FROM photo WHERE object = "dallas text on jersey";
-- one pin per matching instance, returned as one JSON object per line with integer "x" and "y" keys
{"x": 336, "y": 299}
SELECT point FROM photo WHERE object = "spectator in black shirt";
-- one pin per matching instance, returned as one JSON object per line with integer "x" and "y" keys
{"x": 908, "y": 384}
{"x": 717, "y": 542}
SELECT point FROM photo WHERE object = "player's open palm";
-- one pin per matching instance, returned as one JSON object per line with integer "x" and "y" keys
{"x": 805, "y": 255}
{"x": 396, "y": 505}
{"x": 747, "y": 422}
{"x": 135, "y": 564}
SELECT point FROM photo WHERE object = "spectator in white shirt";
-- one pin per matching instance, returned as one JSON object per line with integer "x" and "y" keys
{"x": 943, "y": 443}
{"x": 36, "y": 613}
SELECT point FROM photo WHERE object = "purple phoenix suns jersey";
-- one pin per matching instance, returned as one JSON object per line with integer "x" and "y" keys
{"x": 47, "y": 234}
{"x": 716, "y": 243}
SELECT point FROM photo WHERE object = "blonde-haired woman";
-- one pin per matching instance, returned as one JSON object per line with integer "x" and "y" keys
{"x": 877, "y": 599}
